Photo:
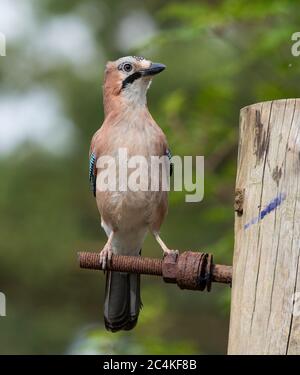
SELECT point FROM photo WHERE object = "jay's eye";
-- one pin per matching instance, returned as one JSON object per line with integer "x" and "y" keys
{"x": 127, "y": 68}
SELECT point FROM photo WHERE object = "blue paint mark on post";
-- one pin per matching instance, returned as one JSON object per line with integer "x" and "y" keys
{"x": 268, "y": 209}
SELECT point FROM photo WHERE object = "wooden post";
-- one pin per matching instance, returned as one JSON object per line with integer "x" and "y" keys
{"x": 265, "y": 306}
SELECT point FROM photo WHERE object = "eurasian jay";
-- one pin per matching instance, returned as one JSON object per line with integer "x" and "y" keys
{"x": 127, "y": 216}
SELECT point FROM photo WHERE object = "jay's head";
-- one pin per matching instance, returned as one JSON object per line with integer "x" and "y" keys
{"x": 128, "y": 79}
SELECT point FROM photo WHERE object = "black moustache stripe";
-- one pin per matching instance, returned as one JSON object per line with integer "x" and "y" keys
{"x": 130, "y": 79}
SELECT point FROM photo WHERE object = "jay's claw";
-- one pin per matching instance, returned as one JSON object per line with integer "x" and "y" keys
{"x": 105, "y": 256}
{"x": 169, "y": 252}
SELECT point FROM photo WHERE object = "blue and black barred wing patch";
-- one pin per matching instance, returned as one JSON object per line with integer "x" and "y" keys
{"x": 169, "y": 155}
{"x": 92, "y": 173}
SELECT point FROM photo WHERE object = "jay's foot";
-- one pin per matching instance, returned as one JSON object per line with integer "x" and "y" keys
{"x": 105, "y": 256}
{"x": 166, "y": 251}
{"x": 173, "y": 253}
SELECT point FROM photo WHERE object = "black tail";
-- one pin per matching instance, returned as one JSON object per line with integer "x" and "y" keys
{"x": 122, "y": 301}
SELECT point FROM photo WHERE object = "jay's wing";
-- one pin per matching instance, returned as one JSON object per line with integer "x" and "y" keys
{"x": 93, "y": 173}
{"x": 92, "y": 164}
{"x": 169, "y": 155}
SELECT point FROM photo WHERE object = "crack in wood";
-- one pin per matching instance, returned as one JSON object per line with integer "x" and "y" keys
{"x": 261, "y": 140}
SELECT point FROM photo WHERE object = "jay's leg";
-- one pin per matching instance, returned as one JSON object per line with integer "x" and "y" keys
{"x": 164, "y": 247}
{"x": 106, "y": 252}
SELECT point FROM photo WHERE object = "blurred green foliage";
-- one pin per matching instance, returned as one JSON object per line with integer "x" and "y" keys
{"x": 221, "y": 55}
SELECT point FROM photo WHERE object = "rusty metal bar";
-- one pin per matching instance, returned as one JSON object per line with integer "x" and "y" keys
{"x": 189, "y": 270}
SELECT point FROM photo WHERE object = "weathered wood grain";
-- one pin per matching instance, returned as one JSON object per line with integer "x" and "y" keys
{"x": 265, "y": 307}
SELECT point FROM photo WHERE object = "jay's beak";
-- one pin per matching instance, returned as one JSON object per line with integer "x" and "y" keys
{"x": 154, "y": 68}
